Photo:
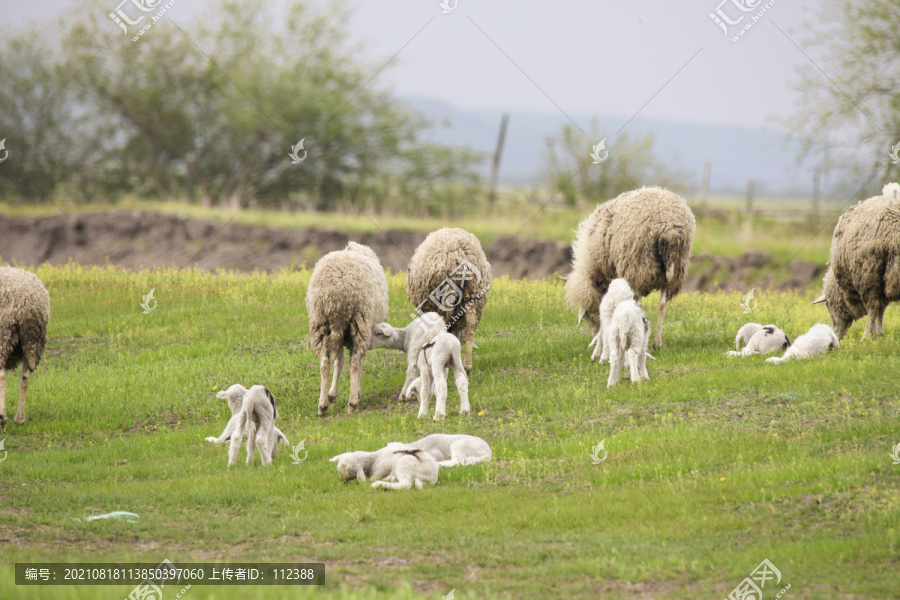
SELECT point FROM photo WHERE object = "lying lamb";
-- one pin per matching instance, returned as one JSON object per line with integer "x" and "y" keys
{"x": 255, "y": 418}
{"x": 765, "y": 340}
{"x": 235, "y": 397}
{"x": 628, "y": 337}
{"x": 744, "y": 334}
{"x": 619, "y": 291}
{"x": 394, "y": 467}
{"x": 410, "y": 339}
{"x": 434, "y": 361}
{"x": 820, "y": 338}
{"x": 453, "y": 450}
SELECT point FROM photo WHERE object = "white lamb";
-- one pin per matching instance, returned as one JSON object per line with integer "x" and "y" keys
{"x": 256, "y": 419}
{"x": 628, "y": 337}
{"x": 619, "y": 291}
{"x": 745, "y": 333}
{"x": 434, "y": 361}
{"x": 234, "y": 395}
{"x": 820, "y": 338}
{"x": 453, "y": 450}
{"x": 395, "y": 467}
{"x": 410, "y": 339}
{"x": 765, "y": 340}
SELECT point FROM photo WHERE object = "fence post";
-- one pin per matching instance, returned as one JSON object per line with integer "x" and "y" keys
{"x": 495, "y": 165}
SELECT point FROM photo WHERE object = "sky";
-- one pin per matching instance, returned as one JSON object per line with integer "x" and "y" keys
{"x": 651, "y": 58}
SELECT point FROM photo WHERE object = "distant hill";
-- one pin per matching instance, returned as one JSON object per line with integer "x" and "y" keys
{"x": 737, "y": 154}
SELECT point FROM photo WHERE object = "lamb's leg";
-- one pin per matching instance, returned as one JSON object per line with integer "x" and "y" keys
{"x": 615, "y": 364}
{"x": 324, "y": 376}
{"x": 410, "y": 374}
{"x": 266, "y": 445}
{"x": 2, "y": 395}
{"x": 471, "y": 324}
{"x": 462, "y": 384}
{"x": 251, "y": 441}
{"x": 226, "y": 433}
{"x": 236, "y": 439}
{"x": 634, "y": 370}
{"x": 338, "y": 358}
{"x": 23, "y": 389}
{"x": 356, "y": 358}
{"x": 440, "y": 391}
{"x": 657, "y": 342}
{"x": 425, "y": 388}
{"x": 642, "y": 358}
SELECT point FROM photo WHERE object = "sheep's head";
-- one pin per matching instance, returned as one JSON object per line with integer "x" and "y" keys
{"x": 842, "y": 313}
{"x": 234, "y": 395}
{"x": 383, "y": 336}
{"x": 350, "y": 466}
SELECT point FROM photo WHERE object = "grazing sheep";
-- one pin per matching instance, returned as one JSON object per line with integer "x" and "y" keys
{"x": 628, "y": 338}
{"x": 395, "y": 467}
{"x": 747, "y": 331}
{"x": 619, "y": 291}
{"x": 450, "y": 274}
{"x": 235, "y": 397}
{"x": 452, "y": 450}
{"x": 766, "y": 340}
{"x": 24, "y": 318}
{"x": 434, "y": 361}
{"x": 410, "y": 339}
{"x": 820, "y": 338}
{"x": 255, "y": 418}
{"x": 864, "y": 276}
{"x": 643, "y": 236}
{"x": 346, "y": 298}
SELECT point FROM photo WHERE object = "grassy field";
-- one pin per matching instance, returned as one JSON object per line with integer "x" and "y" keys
{"x": 713, "y": 465}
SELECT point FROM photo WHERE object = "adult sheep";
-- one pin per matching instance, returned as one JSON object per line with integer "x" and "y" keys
{"x": 24, "y": 317}
{"x": 346, "y": 298}
{"x": 643, "y": 236}
{"x": 450, "y": 275}
{"x": 864, "y": 273}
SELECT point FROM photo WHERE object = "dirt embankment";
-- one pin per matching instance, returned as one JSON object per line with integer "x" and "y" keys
{"x": 141, "y": 239}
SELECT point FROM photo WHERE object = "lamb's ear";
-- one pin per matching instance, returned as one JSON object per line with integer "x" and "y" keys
{"x": 819, "y": 300}
{"x": 361, "y": 475}
{"x": 581, "y": 312}
{"x": 222, "y": 395}
{"x": 334, "y": 459}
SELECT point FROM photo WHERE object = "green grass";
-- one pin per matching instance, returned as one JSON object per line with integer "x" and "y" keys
{"x": 714, "y": 464}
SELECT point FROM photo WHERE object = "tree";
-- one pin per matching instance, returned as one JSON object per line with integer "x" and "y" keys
{"x": 848, "y": 114}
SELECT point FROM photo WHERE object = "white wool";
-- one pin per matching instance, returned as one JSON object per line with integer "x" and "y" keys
{"x": 410, "y": 339}
{"x": 452, "y": 450}
{"x": 820, "y": 338}
{"x": 766, "y": 339}
{"x": 745, "y": 333}
{"x": 434, "y": 362}
{"x": 628, "y": 338}
{"x": 619, "y": 291}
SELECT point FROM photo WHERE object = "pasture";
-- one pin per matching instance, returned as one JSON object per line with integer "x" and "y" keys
{"x": 713, "y": 465}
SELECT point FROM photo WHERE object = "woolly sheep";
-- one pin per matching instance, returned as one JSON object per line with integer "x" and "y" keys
{"x": 24, "y": 318}
{"x": 619, "y": 291}
{"x": 765, "y": 340}
{"x": 347, "y": 296}
{"x": 820, "y": 338}
{"x": 864, "y": 276}
{"x": 450, "y": 274}
{"x": 410, "y": 339}
{"x": 747, "y": 331}
{"x": 434, "y": 361}
{"x": 643, "y": 236}
{"x": 628, "y": 338}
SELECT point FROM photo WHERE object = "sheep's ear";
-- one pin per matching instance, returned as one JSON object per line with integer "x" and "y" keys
{"x": 222, "y": 395}
{"x": 581, "y": 312}
{"x": 819, "y": 300}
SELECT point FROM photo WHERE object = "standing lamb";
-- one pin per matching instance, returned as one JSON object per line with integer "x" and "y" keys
{"x": 450, "y": 274}
{"x": 820, "y": 338}
{"x": 346, "y": 298}
{"x": 628, "y": 338}
{"x": 619, "y": 291}
{"x": 643, "y": 236}
{"x": 434, "y": 361}
{"x": 24, "y": 318}
{"x": 864, "y": 276}
{"x": 410, "y": 339}
{"x": 765, "y": 340}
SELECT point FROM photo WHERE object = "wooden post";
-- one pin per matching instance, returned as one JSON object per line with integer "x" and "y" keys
{"x": 704, "y": 184}
{"x": 495, "y": 166}
{"x": 750, "y": 196}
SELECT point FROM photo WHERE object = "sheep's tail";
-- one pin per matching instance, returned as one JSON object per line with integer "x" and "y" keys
{"x": 891, "y": 192}
{"x": 325, "y": 340}
{"x": 673, "y": 249}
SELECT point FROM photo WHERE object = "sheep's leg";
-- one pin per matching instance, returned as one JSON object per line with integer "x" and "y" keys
{"x": 356, "y": 359}
{"x": 471, "y": 324}
{"x": 657, "y": 342}
{"x": 251, "y": 441}
{"x": 615, "y": 364}
{"x": 440, "y": 391}
{"x": 236, "y": 438}
{"x": 410, "y": 375}
{"x": 338, "y": 358}
{"x": 634, "y": 370}
{"x": 2, "y": 395}
{"x": 462, "y": 387}
{"x": 642, "y": 358}
{"x": 872, "y": 320}
{"x": 266, "y": 445}
{"x": 425, "y": 387}
{"x": 23, "y": 389}
{"x": 324, "y": 375}
{"x": 880, "y": 325}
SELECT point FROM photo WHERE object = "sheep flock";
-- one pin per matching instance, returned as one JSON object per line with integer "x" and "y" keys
{"x": 628, "y": 247}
